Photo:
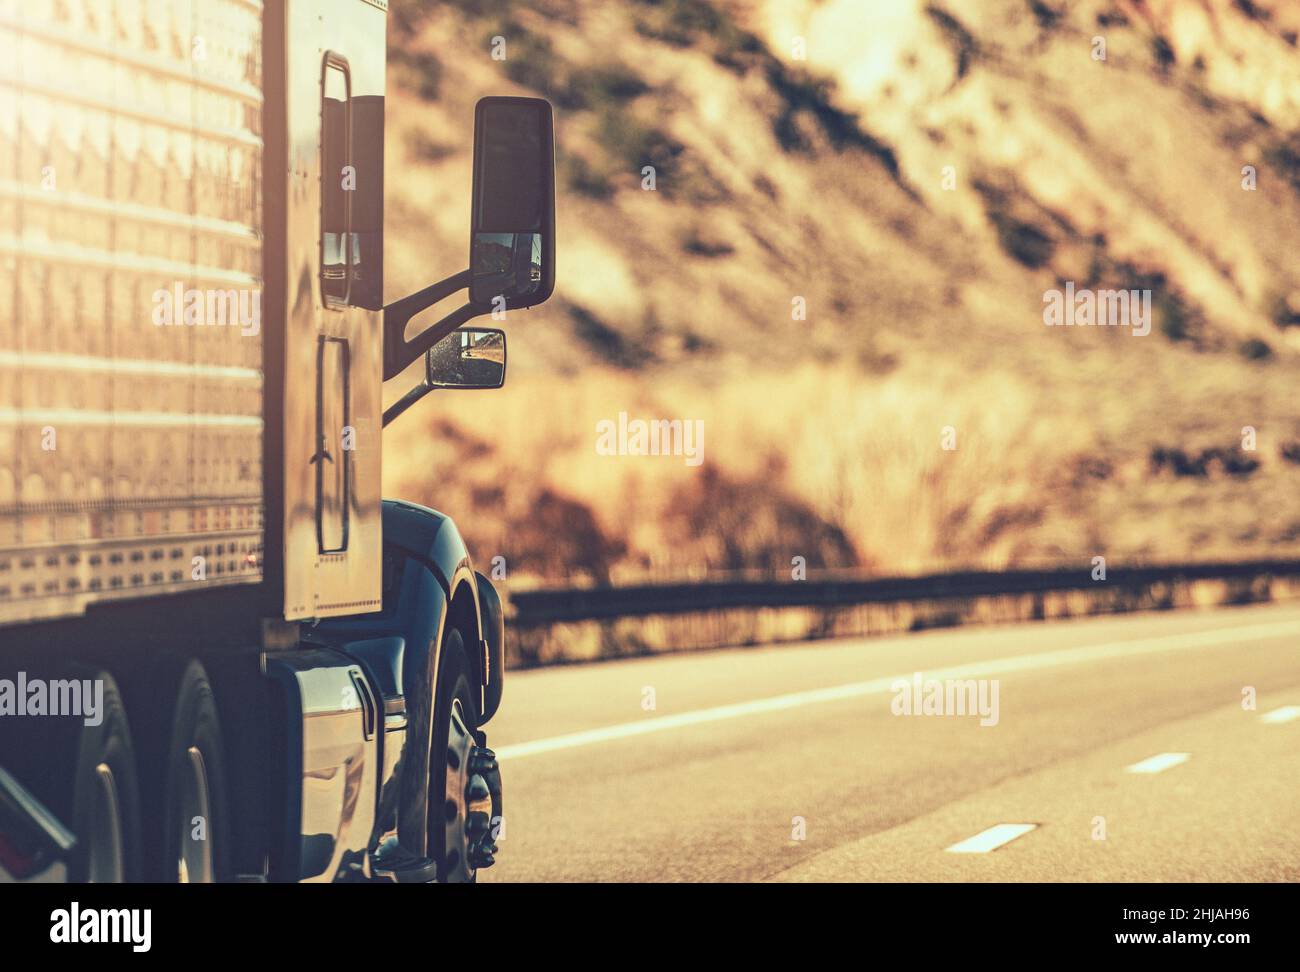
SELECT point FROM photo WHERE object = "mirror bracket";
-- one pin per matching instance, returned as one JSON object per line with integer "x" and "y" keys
{"x": 399, "y": 353}
{"x": 406, "y": 401}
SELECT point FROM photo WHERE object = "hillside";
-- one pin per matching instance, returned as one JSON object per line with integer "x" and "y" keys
{"x": 780, "y": 178}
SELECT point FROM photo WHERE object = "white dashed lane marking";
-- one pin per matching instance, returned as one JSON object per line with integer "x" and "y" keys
{"x": 1287, "y": 713}
{"x": 1160, "y": 762}
{"x": 991, "y": 839}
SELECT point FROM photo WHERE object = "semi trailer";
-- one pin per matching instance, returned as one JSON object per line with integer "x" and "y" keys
{"x": 224, "y": 655}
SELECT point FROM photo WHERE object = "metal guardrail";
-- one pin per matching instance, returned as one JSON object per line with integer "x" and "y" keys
{"x": 536, "y": 608}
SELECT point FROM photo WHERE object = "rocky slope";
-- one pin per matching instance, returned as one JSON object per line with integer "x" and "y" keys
{"x": 913, "y": 176}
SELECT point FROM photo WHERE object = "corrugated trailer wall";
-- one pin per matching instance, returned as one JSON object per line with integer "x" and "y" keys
{"x": 130, "y": 332}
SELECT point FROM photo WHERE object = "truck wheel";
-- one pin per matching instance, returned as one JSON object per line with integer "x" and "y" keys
{"x": 453, "y": 792}
{"x": 194, "y": 841}
{"x": 102, "y": 797}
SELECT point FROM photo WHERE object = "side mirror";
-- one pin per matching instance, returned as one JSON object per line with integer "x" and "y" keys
{"x": 512, "y": 232}
{"x": 473, "y": 357}
{"x": 512, "y": 219}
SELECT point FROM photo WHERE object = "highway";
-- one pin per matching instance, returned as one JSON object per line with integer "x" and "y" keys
{"x": 1118, "y": 749}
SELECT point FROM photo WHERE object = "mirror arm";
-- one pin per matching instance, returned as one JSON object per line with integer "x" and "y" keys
{"x": 399, "y": 353}
{"x": 405, "y": 402}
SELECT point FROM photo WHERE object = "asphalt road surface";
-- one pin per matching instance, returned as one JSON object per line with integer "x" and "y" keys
{"x": 1119, "y": 750}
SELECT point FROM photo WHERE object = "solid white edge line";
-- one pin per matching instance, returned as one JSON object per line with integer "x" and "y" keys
{"x": 876, "y": 686}
{"x": 991, "y": 839}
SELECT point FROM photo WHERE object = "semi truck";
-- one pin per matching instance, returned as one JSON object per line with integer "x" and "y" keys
{"x": 224, "y": 655}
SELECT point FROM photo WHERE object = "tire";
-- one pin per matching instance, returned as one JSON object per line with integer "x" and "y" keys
{"x": 447, "y": 756}
{"x": 100, "y": 800}
{"x": 191, "y": 843}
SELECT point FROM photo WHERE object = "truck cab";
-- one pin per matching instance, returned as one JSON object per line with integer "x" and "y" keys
{"x": 295, "y": 671}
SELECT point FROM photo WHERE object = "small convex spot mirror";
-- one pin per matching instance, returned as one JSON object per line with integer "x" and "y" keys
{"x": 472, "y": 357}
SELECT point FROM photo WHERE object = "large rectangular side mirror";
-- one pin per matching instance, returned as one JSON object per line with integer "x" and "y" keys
{"x": 512, "y": 234}
{"x": 472, "y": 357}
{"x": 512, "y": 221}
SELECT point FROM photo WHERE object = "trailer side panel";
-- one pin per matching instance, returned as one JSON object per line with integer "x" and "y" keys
{"x": 131, "y": 384}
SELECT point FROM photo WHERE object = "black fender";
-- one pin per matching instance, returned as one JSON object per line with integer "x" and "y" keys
{"x": 431, "y": 539}
{"x": 492, "y": 617}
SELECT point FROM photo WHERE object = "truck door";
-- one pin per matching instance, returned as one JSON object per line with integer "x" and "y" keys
{"x": 333, "y": 273}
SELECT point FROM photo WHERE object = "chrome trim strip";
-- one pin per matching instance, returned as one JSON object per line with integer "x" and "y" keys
{"x": 142, "y": 115}
{"x": 73, "y": 416}
{"x": 85, "y": 256}
{"x": 89, "y": 364}
{"x": 124, "y": 210}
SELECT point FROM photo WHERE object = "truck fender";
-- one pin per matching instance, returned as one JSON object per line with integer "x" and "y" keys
{"x": 492, "y": 621}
